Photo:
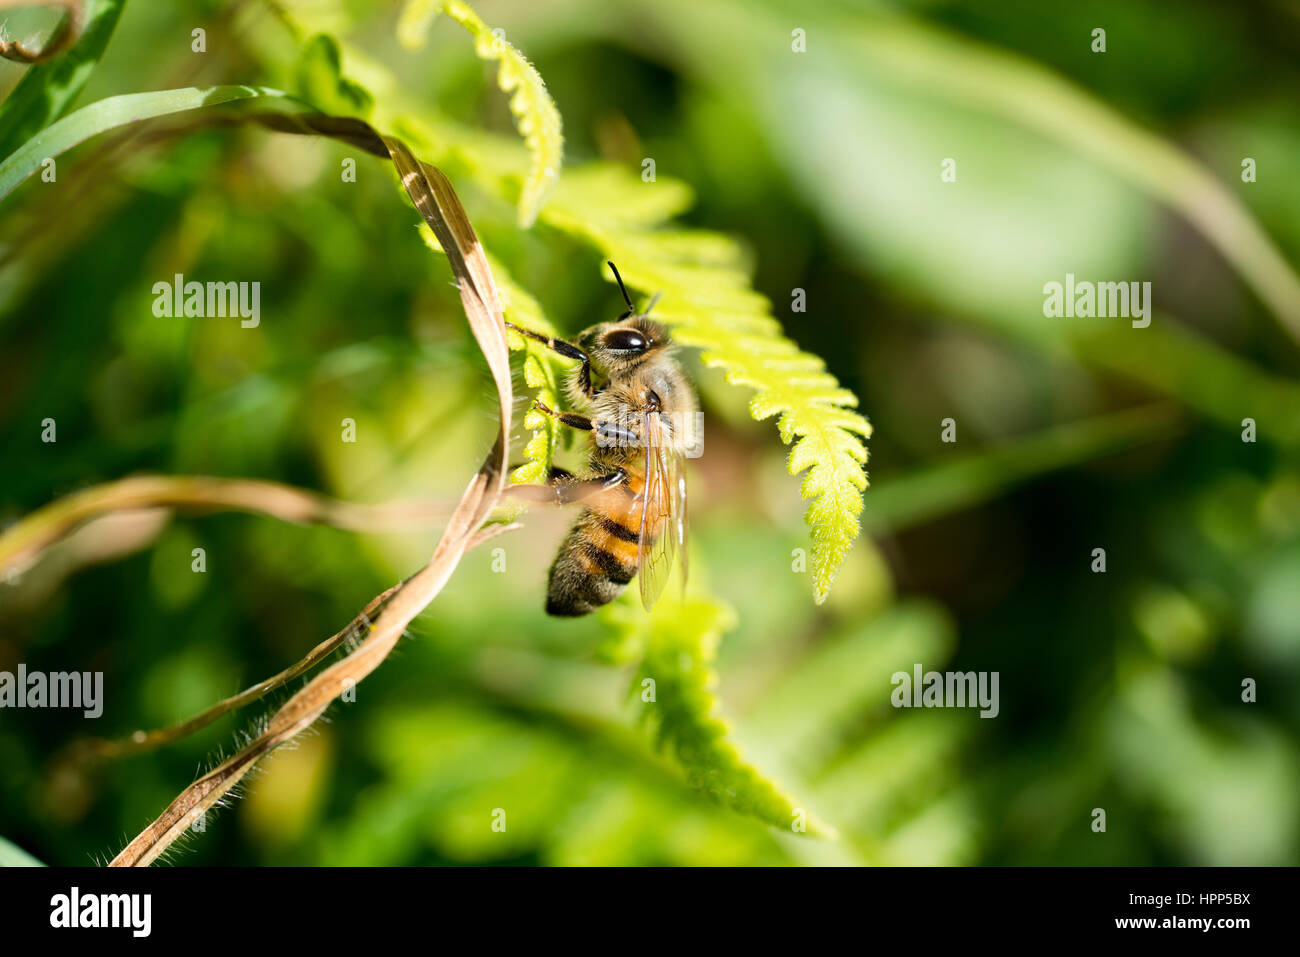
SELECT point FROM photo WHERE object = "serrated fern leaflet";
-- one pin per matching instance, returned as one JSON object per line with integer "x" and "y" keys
{"x": 535, "y": 113}
{"x": 678, "y": 645}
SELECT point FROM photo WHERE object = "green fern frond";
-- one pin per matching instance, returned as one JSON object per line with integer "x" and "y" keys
{"x": 542, "y": 368}
{"x": 708, "y": 302}
{"x": 542, "y": 371}
{"x": 678, "y": 645}
{"x": 536, "y": 116}
{"x": 600, "y": 197}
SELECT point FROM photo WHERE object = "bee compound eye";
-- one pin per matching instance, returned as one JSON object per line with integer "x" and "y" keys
{"x": 626, "y": 340}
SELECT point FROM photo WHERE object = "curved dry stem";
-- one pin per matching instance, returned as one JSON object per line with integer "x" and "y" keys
{"x": 140, "y": 741}
{"x": 65, "y": 33}
{"x": 436, "y": 200}
{"x": 302, "y": 710}
{"x": 23, "y": 543}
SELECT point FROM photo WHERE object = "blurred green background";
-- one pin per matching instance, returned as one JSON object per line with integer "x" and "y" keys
{"x": 1119, "y": 691}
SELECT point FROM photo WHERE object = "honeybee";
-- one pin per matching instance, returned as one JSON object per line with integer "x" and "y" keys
{"x": 642, "y": 419}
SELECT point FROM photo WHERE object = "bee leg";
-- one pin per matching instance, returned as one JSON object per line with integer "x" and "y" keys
{"x": 612, "y": 435}
{"x": 572, "y": 419}
{"x": 567, "y": 492}
{"x": 608, "y": 434}
{"x": 566, "y": 349}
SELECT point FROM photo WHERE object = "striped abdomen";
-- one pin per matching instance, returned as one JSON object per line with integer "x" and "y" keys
{"x": 599, "y": 556}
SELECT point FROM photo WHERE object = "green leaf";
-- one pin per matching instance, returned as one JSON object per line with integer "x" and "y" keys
{"x": 535, "y": 113}
{"x": 320, "y": 80}
{"x": 48, "y": 89}
{"x": 110, "y": 113}
{"x": 679, "y": 641}
{"x": 11, "y": 855}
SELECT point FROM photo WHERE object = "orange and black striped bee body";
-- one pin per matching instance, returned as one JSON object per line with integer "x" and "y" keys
{"x": 641, "y": 414}
{"x": 600, "y": 555}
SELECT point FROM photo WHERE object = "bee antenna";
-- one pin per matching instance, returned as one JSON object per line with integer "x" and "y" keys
{"x": 623, "y": 289}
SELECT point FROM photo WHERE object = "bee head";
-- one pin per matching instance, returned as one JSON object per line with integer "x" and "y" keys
{"x": 622, "y": 344}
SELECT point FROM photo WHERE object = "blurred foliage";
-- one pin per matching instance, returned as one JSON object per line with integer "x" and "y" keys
{"x": 1120, "y": 690}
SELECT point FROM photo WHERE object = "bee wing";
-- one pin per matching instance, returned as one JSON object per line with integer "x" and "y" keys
{"x": 662, "y": 521}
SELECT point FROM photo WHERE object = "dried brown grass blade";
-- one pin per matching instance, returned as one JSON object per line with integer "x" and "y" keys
{"x": 22, "y": 544}
{"x": 436, "y": 200}
{"x": 140, "y": 741}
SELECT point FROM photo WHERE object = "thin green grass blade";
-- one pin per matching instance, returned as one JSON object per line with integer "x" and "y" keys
{"x": 47, "y": 90}
{"x": 112, "y": 113}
